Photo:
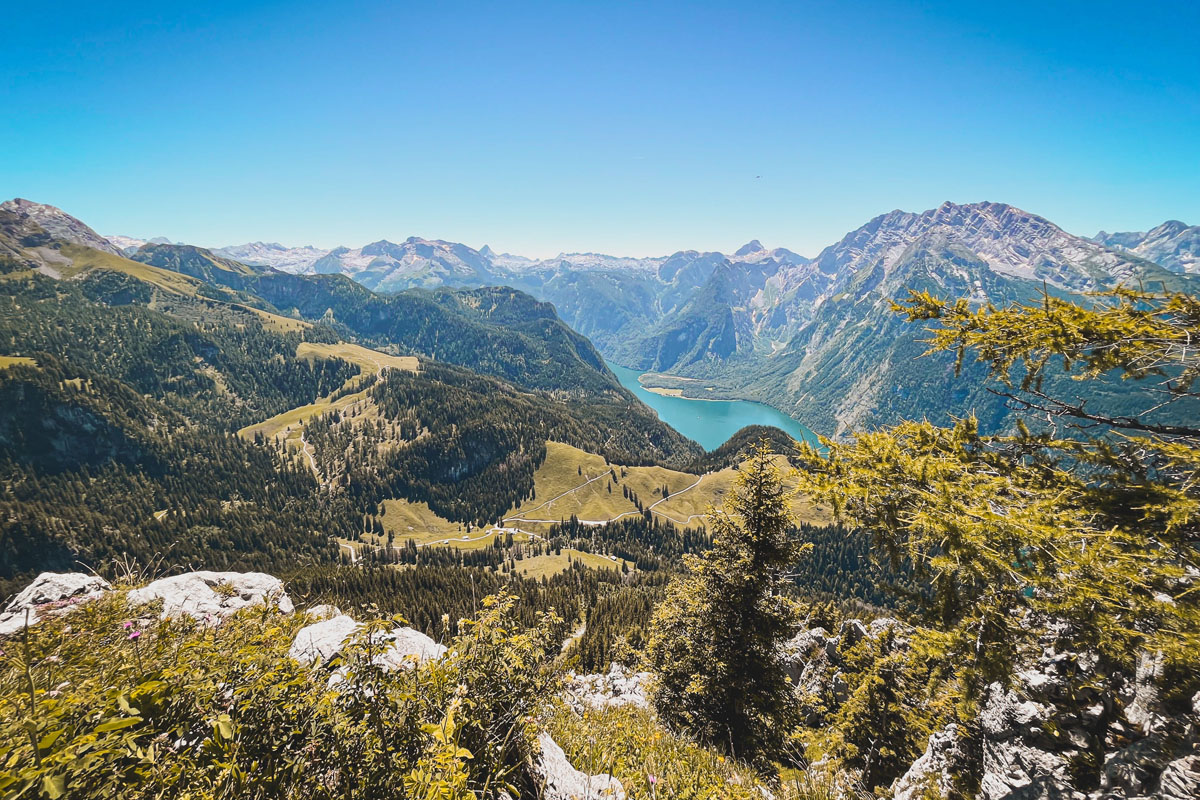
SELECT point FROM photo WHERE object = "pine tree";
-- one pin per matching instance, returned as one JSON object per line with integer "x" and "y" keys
{"x": 1086, "y": 527}
{"x": 717, "y": 635}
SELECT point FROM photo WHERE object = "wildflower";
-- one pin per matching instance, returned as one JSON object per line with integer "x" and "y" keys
{"x": 653, "y": 780}
{"x": 135, "y": 635}
{"x": 127, "y": 625}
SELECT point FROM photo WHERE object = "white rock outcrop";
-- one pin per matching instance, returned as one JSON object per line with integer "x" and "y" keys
{"x": 324, "y": 611}
{"x": 934, "y": 769}
{"x": 395, "y": 649}
{"x": 212, "y": 596}
{"x": 405, "y": 646}
{"x": 617, "y": 687}
{"x": 49, "y": 592}
{"x": 564, "y": 782}
{"x": 321, "y": 641}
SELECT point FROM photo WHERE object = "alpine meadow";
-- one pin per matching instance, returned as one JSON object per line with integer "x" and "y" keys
{"x": 299, "y": 504}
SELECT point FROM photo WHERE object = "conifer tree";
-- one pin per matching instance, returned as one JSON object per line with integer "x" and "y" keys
{"x": 717, "y": 634}
{"x": 1086, "y": 526}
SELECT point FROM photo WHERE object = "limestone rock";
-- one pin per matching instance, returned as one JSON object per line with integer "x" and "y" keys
{"x": 49, "y": 592}
{"x": 1131, "y": 770}
{"x": 1014, "y": 767}
{"x": 319, "y": 642}
{"x": 324, "y": 611}
{"x": 852, "y": 632}
{"x": 1181, "y": 779}
{"x": 406, "y": 646}
{"x": 564, "y": 782}
{"x": 615, "y": 688}
{"x": 212, "y": 596}
{"x": 396, "y": 649}
{"x": 943, "y": 758}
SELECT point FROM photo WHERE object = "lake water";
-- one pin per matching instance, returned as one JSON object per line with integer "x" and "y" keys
{"x": 709, "y": 422}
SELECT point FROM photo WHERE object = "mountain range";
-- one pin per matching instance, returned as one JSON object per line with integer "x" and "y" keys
{"x": 814, "y": 337}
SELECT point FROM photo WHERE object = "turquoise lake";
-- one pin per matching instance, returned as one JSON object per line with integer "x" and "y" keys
{"x": 709, "y": 422}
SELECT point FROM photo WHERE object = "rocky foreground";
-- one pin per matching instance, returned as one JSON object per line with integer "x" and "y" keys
{"x": 1033, "y": 734}
{"x": 212, "y": 597}
{"x": 1029, "y": 735}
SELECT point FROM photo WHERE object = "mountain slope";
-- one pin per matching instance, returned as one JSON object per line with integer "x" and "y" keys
{"x": 1174, "y": 245}
{"x": 853, "y": 363}
{"x": 499, "y": 332}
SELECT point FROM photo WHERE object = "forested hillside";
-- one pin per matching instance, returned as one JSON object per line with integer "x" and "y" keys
{"x": 125, "y": 382}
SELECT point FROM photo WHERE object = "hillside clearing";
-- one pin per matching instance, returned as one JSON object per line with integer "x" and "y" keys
{"x": 290, "y": 423}
{"x": 12, "y": 361}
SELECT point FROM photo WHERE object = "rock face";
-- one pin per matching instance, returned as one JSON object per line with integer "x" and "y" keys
{"x": 402, "y": 647}
{"x": 321, "y": 641}
{"x": 48, "y": 592}
{"x": 1014, "y": 766}
{"x": 942, "y": 760}
{"x": 1065, "y": 728}
{"x": 613, "y": 689}
{"x": 564, "y": 782}
{"x": 212, "y": 596}
{"x": 58, "y": 224}
{"x": 1181, "y": 779}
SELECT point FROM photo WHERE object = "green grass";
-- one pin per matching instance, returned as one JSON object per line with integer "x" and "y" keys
{"x": 85, "y": 258}
{"x": 290, "y": 423}
{"x": 564, "y": 490}
{"x": 546, "y": 565}
{"x": 12, "y": 361}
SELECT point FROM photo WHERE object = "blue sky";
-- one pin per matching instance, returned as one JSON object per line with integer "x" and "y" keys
{"x": 629, "y": 128}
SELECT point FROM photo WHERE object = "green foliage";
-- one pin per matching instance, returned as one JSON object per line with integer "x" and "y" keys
{"x": 93, "y": 707}
{"x": 1095, "y": 528}
{"x": 896, "y": 697}
{"x": 715, "y": 639}
{"x": 468, "y": 445}
{"x": 653, "y": 763}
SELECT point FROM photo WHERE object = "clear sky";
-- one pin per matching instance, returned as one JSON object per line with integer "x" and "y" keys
{"x": 620, "y": 127}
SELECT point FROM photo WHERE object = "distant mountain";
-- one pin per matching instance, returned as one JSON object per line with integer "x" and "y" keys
{"x": 768, "y": 323}
{"x": 382, "y": 265}
{"x": 272, "y": 254}
{"x": 848, "y": 361}
{"x": 1174, "y": 245}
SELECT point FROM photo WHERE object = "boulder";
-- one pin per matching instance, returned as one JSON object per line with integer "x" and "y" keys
{"x": 49, "y": 592}
{"x": 852, "y": 632}
{"x": 1181, "y": 779}
{"x": 406, "y": 646}
{"x": 319, "y": 642}
{"x": 212, "y": 596}
{"x": 563, "y": 782}
{"x": 1014, "y": 766}
{"x": 943, "y": 758}
{"x": 402, "y": 647}
{"x": 615, "y": 688}
{"x": 324, "y": 611}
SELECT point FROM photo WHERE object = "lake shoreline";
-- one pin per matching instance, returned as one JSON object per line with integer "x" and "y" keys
{"x": 709, "y": 421}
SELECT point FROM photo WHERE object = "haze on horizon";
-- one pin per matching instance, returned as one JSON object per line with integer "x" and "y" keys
{"x": 546, "y": 128}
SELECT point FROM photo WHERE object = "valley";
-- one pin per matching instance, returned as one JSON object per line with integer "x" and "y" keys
{"x": 459, "y": 463}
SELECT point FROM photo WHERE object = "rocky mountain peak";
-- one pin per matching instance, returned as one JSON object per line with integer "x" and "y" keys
{"x": 1174, "y": 245}
{"x": 752, "y": 246}
{"x": 58, "y": 224}
{"x": 1011, "y": 241}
